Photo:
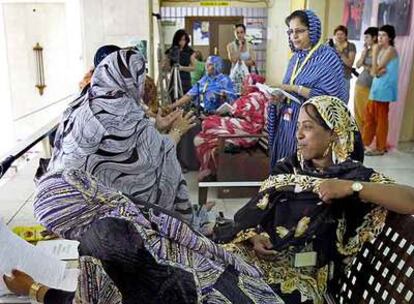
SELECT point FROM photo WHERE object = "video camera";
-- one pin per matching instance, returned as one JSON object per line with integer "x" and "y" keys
{"x": 174, "y": 55}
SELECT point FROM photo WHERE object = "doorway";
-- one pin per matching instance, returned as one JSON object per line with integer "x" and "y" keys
{"x": 210, "y": 35}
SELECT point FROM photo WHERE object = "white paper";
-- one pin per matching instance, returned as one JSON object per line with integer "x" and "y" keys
{"x": 224, "y": 108}
{"x": 276, "y": 91}
{"x": 61, "y": 249}
{"x": 12, "y": 299}
{"x": 15, "y": 253}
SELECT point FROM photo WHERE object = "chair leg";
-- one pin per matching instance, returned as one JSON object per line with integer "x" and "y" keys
{"x": 202, "y": 195}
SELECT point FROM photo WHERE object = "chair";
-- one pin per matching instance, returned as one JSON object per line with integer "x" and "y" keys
{"x": 383, "y": 271}
{"x": 239, "y": 174}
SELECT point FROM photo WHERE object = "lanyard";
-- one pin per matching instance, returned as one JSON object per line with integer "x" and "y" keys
{"x": 296, "y": 71}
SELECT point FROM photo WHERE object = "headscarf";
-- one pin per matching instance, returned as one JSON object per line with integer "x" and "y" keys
{"x": 315, "y": 30}
{"x": 339, "y": 119}
{"x": 107, "y": 133}
{"x": 217, "y": 62}
{"x": 100, "y": 54}
{"x": 104, "y": 51}
{"x": 120, "y": 74}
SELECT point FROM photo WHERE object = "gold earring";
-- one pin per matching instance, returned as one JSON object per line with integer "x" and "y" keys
{"x": 325, "y": 154}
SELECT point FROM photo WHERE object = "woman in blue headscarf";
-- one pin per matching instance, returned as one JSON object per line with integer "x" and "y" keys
{"x": 213, "y": 89}
{"x": 315, "y": 69}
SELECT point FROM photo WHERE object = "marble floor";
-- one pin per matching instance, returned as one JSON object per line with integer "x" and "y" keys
{"x": 17, "y": 188}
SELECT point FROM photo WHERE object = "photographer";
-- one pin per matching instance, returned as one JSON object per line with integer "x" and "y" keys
{"x": 182, "y": 55}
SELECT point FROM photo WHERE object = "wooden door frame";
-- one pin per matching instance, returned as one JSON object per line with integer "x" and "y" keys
{"x": 214, "y": 20}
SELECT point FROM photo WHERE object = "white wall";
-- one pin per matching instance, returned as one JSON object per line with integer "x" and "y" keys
{"x": 122, "y": 23}
{"x": 6, "y": 122}
{"x": 277, "y": 43}
{"x": 26, "y": 25}
{"x": 56, "y": 26}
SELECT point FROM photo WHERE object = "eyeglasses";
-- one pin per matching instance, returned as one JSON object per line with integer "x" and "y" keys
{"x": 296, "y": 31}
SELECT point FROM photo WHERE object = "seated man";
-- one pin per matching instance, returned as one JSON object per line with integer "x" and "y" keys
{"x": 247, "y": 117}
{"x": 212, "y": 90}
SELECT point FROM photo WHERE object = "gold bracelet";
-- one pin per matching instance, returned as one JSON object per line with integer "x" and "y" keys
{"x": 34, "y": 290}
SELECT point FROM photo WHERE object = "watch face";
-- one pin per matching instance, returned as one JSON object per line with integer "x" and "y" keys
{"x": 357, "y": 187}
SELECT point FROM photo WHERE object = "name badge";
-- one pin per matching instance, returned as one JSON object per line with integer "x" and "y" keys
{"x": 305, "y": 259}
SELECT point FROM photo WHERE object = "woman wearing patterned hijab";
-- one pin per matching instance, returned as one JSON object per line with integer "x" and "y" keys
{"x": 315, "y": 211}
{"x": 106, "y": 132}
{"x": 211, "y": 90}
{"x": 315, "y": 69}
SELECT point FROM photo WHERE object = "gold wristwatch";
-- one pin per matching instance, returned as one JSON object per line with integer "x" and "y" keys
{"x": 356, "y": 188}
{"x": 34, "y": 290}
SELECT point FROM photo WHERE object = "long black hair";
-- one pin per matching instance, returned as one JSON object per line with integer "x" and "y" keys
{"x": 177, "y": 37}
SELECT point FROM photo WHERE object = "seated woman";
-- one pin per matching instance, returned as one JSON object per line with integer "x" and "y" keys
{"x": 309, "y": 218}
{"x": 212, "y": 90}
{"x": 247, "y": 117}
{"x": 106, "y": 132}
{"x": 315, "y": 211}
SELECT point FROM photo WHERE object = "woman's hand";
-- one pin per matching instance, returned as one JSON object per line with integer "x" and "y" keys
{"x": 262, "y": 246}
{"x": 164, "y": 123}
{"x": 183, "y": 123}
{"x": 19, "y": 283}
{"x": 331, "y": 189}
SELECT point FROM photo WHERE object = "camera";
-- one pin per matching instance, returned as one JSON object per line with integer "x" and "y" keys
{"x": 174, "y": 55}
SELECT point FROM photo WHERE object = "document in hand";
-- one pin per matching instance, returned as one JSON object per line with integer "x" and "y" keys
{"x": 61, "y": 249}
{"x": 275, "y": 91}
{"x": 15, "y": 253}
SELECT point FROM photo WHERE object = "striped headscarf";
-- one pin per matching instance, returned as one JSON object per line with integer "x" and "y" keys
{"x": 315, "y": 30}
{"x": 106, "y": 132}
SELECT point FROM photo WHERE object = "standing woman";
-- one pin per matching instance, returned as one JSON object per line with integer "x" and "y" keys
{"x": 241, "y": 51}
{"x": 180, "y": 48}
{"x": 384, "y": 90}
{"x": 347, "y": 51}
{"x": 315, "y": 69}
{"x": 364, "y": 81}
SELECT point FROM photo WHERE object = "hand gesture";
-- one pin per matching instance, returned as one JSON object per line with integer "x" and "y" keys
{"x": 331, "y": 189}
{"x": 164, "y": 123}
{"x": 19, "y": 283}
{"x": 183, "y": 123}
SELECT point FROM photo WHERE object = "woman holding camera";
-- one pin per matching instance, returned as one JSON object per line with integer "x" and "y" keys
{"x": 181, "y": 54}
